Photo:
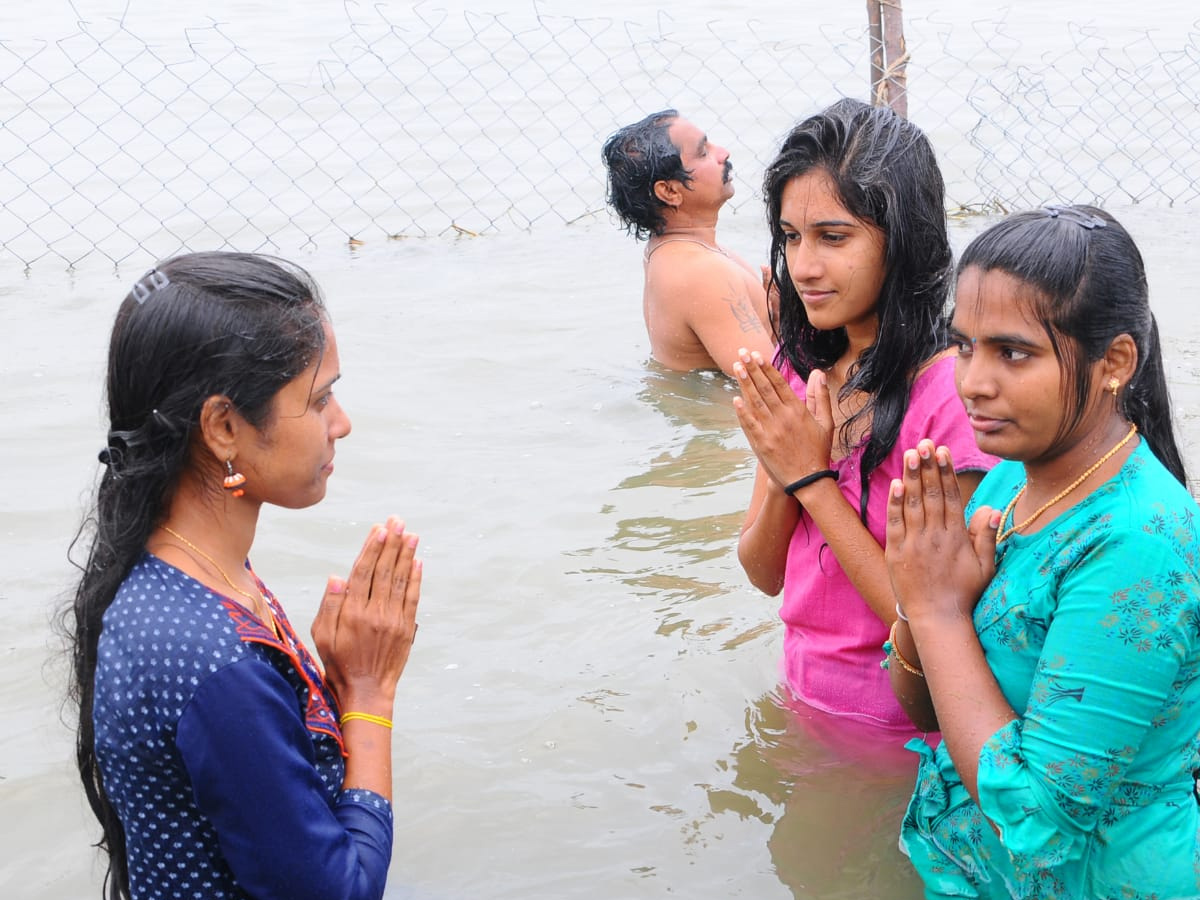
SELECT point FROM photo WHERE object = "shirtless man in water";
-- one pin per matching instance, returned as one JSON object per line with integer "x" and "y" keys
{"x": 701, "y": 302}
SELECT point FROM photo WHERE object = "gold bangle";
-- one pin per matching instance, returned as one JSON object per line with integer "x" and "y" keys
{"x": 366, "y": 717}
{"x": 892, "y": 649}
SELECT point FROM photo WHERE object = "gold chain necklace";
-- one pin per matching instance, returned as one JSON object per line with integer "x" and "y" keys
{"x": 649, "y": 251}
{"x": 261, "y": 608}
{"x": 1074, "y": 484}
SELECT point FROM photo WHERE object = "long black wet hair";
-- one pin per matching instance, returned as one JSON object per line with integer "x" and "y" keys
{"x": 884, "y": 172}
{"x": 198, "y": 325}
{"x": 1088, "y": 285}
{"x": 639, "y": 156}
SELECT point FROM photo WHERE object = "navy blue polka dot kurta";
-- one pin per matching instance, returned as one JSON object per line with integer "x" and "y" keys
{"x": 218, "y": 745}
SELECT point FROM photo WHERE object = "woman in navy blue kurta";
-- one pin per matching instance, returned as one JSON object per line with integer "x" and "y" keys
{"x": 221, "y": 759}
{"x": 220, "y": 748}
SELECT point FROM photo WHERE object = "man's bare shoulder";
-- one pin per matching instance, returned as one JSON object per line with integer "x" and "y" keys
{"x": 701, "y": 306}
{"x": 691, "y": 267}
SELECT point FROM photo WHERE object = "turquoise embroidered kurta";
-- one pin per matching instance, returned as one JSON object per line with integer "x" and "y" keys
{"x": 1091, "y": 627}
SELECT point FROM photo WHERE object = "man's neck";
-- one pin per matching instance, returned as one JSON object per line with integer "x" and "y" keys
{"x": 706, "y": 233}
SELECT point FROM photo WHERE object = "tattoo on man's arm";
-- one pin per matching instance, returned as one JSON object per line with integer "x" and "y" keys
{"x": 744, "y": 314}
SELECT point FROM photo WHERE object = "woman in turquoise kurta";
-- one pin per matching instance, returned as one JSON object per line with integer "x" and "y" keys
{"x": 1055, "y": 639}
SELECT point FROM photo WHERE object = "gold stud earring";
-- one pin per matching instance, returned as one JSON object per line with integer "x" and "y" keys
{"x": 1114, "y": 386}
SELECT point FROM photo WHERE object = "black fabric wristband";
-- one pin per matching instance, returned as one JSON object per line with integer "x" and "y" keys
{"x": 804, "y": 482}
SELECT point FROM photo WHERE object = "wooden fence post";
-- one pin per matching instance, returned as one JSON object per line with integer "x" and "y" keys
{"x": 889, "y": 54}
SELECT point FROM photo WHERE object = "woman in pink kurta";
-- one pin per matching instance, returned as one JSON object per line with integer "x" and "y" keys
{"x": 861, "y": 261}
{"x": 831, "y": 649}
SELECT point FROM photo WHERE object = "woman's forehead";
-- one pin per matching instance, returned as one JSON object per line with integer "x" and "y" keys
{"x": 995, "y": 298}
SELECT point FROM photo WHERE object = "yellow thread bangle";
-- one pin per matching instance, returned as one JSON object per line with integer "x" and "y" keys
{"x": 366, "y": 717}
{"x": 893, "y": 649}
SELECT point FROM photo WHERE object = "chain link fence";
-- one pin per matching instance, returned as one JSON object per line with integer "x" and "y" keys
{"x": 416, "y": 123}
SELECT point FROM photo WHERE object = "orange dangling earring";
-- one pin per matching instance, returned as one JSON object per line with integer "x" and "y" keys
{"x": 233, "y": 480}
